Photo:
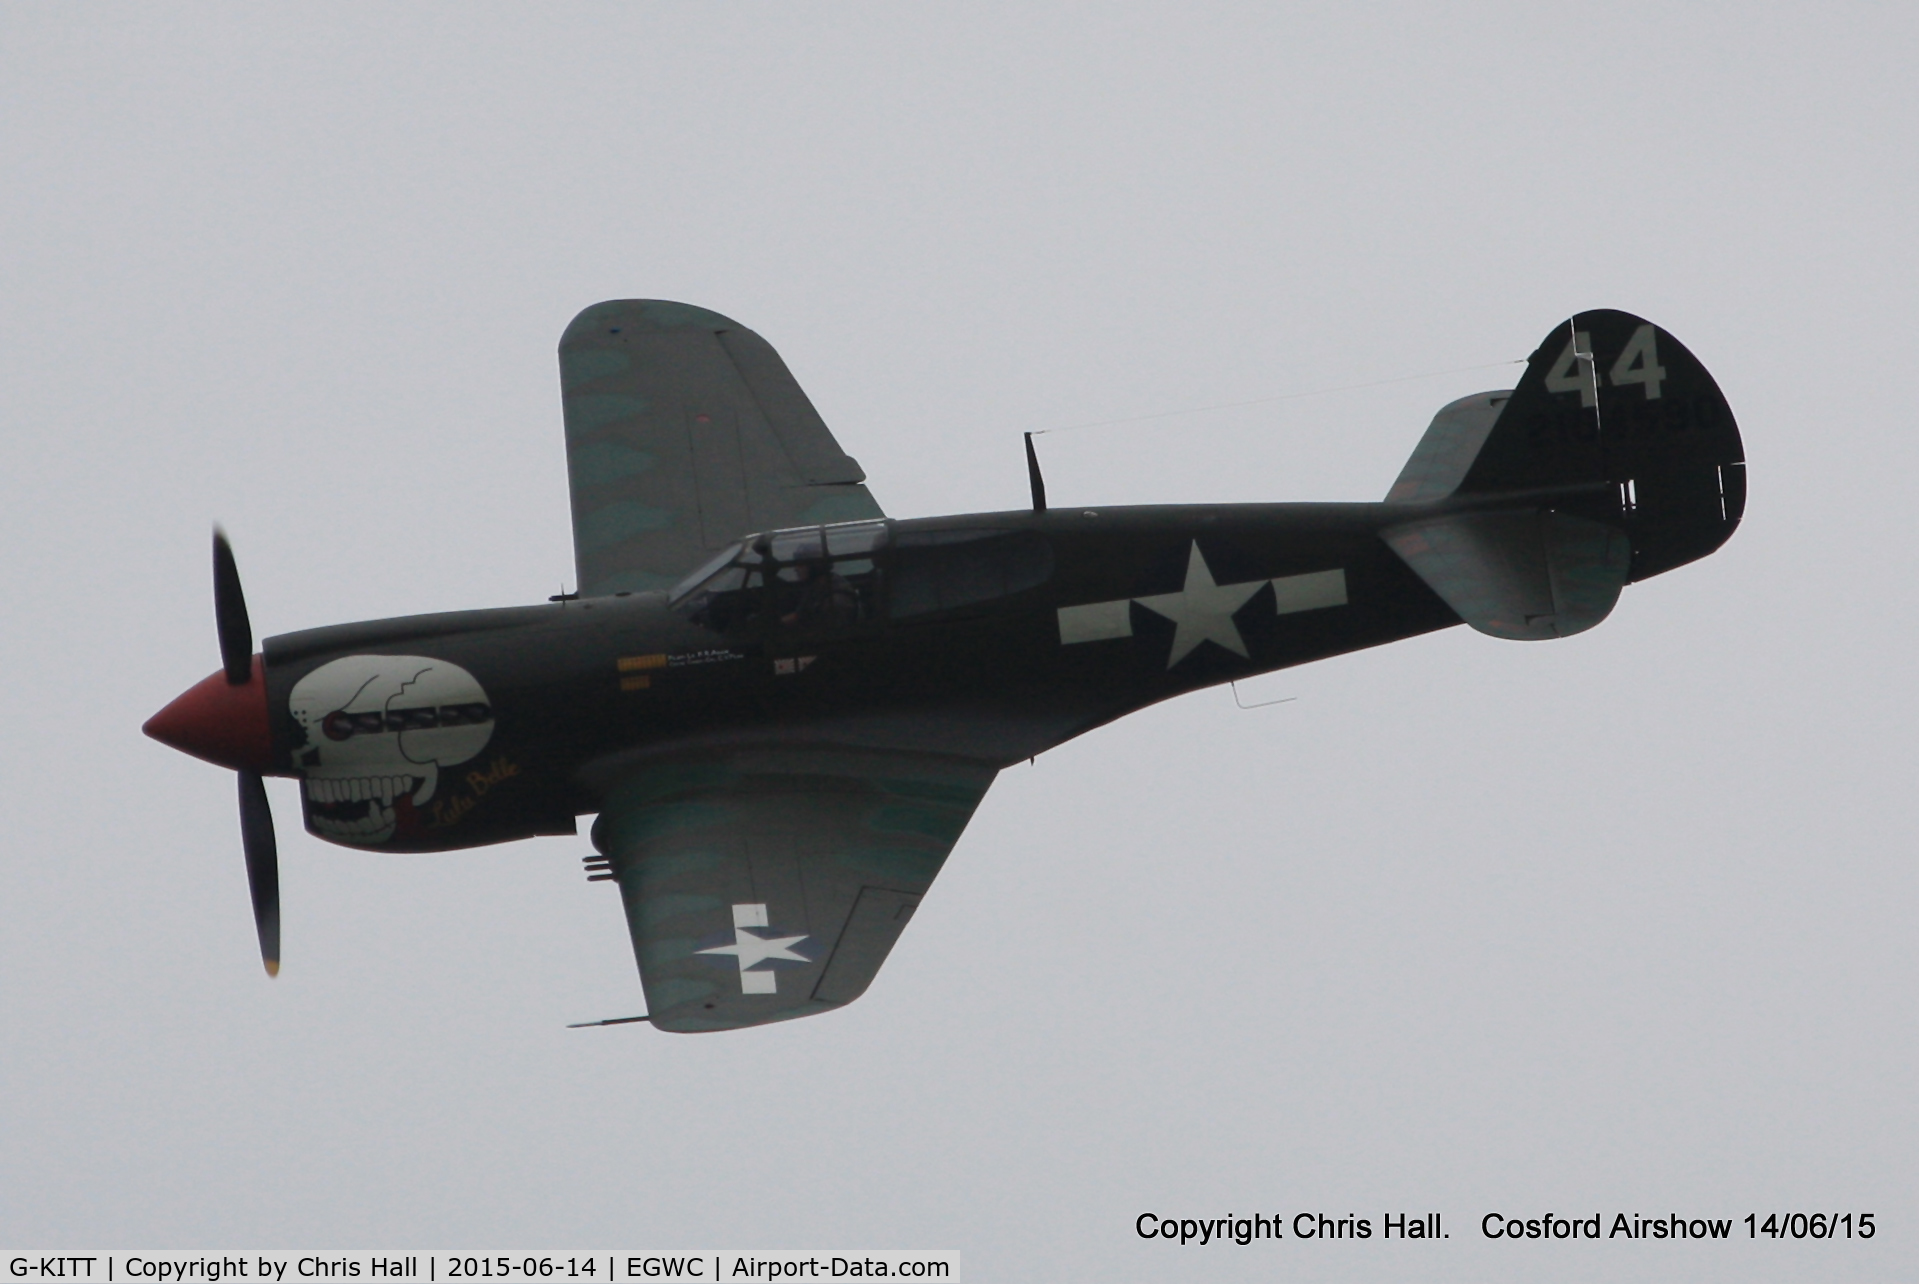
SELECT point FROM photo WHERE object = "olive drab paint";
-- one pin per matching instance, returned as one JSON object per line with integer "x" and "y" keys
{"x": 784, "y": 707}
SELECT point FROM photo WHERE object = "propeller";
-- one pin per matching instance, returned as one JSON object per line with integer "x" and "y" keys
{"x": 230, "y": 613}
{"x": 263, "y": 866}
{"x": 256, "y": 815}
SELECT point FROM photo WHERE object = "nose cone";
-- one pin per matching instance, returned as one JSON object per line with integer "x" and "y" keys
{"x": 220, "y": 722}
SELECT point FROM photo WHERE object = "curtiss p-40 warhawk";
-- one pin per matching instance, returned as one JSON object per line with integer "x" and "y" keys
{"x": 783, "y": 706}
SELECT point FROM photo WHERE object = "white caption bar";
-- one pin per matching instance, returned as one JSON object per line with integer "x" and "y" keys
{"x": 601, "y": 1266}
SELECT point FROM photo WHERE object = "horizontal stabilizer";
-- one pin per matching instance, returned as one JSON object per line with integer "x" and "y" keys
{"x": 1445, "y": 454}
{"x": 1526, "y": 575}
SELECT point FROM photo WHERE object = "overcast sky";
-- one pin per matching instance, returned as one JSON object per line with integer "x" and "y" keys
{"x": 1618, "y": 923}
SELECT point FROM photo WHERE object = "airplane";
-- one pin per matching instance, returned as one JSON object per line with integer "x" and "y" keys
{"x": 783, "y": 706}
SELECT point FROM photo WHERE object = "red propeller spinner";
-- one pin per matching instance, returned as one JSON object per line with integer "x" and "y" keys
{"x": 222, "y": 723}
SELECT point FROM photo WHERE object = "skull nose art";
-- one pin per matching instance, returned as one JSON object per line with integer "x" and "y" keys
{"x": 220, "y": 722}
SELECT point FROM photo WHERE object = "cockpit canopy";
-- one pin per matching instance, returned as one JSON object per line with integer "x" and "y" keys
{"x": 832, "y": 578}
{"x": 819, "y": 575}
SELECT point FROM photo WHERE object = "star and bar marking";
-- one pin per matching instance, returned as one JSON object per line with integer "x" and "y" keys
{"x": 752, "y": 949}
{"x": 1203, "y": 609}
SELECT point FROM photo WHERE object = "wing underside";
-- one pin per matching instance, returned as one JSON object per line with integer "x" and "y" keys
{"x": 684, "y": 431}
{"x": 762, "y": 886}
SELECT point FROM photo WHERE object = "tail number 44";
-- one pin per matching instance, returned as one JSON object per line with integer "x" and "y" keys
{"x": 1638, "y": 363}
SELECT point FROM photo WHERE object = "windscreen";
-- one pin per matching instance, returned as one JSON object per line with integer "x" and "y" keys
{"x": 811, "y": 578}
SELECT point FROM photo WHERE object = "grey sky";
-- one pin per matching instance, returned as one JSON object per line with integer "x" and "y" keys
{"x": 1616, "y": 923}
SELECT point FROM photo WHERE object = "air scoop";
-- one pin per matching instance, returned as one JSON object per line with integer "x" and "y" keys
{"x": 221, "y": 722}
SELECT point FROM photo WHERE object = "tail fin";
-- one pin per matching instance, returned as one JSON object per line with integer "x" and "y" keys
{"x": 1615, "y": 459}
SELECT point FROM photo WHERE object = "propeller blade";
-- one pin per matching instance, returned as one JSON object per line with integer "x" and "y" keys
{"x": 263, "y": 866}
{"x": 230, "y": 614}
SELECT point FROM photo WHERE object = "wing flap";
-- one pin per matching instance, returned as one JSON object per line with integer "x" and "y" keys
{"x": 809, "y": 444}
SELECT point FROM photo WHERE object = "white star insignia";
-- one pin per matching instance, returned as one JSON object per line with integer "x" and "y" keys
{"x": 1202, "y": 611}
{"x": 752, "y": 949}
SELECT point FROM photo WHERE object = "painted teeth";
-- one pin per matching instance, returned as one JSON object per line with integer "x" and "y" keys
{"x": 360, "y": 789}
{"x": 374, "y": 827}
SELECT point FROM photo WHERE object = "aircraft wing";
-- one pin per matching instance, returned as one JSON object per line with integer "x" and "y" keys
{"x": 769, "y": 884}
{"x": 684, "y": 431}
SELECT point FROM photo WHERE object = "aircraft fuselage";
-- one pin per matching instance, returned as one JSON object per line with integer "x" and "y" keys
{"x": 991, "y": 637}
